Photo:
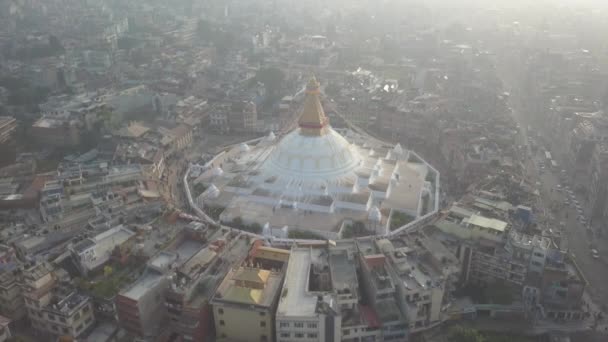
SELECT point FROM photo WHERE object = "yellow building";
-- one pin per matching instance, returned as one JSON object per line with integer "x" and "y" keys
{"x": 244, "y": 305}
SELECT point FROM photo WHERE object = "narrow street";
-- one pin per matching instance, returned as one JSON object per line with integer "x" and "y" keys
{"x": 565, "y": 216}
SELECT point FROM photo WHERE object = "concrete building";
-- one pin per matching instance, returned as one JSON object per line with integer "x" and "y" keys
{"x": 68, "y": 314}
{"x": 467, "y": 225}
{"x": 8, "y": 125}
{"x": 244, "y": 304}
{"x": 307, "y": 310}
{"x": 38, "y": 283}
{"x": 52, "y": 306}
{"x": 140, "y": 308}
{"x": 92, "y": 253}
{"x": 243, "y": 116}
{"x": 56, "y": 131}
{"x": 5, "y": 330}
{"x": 598, "y": 181}
{"x": 379, "y": 290}
{"x": 562, "y": 289}
{"x": 425, "y": 272}
{"x": 218, "y": 117}
{"x": 11, "y": 295}
{"x": 191, "y": 288}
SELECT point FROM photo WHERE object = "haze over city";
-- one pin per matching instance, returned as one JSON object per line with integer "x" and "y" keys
{"x": 304, "y": 171}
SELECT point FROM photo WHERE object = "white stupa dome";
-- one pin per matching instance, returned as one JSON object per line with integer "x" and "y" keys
{"x": 314, "y": 150}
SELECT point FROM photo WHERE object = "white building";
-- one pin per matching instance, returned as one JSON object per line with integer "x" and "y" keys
{"x": 91, "y": 253}
{"x": 306, "y": 310}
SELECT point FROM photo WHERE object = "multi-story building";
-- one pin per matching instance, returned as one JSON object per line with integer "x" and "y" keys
{"x": 425, "y": 272}
{"x": 243, "y": 116}
{"x": 308, "y": 310}
{"x": 561, "y": 293}
{"x": 140, "y": 308}
{"x": 467, "y": 225}
{"x": 598, "y": 181}
{"x": 244, "y": 304}
{"x": 56, "y": 131}
{"x": 218, "y": 117}
{"x": 11, "y": 296}
{"x": 379, "y": 290}
{"x": 191, "y": 288}
{"x": 5, "y": 330}
{"x": 8, "y": 125}
{"x": 68, "y": 314}
{"x": 92, "y": 253}
{"x": 38, "y": 283}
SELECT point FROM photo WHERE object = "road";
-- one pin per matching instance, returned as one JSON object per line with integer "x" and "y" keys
{"x": 578, "y": 238}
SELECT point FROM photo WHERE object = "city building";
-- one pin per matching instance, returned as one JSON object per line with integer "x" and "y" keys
{"x": 598, "y": 181}
{"x": 379, "y": 290}
{"x": 53, "y": 307}
{"x": 92, "y": 253}
{"x": 468, "y": 225}
{"x": 307, "y": 310}
{"x": 58, "y": 131}
{"x": 139, "y": 307}
{"x": 11, "y": 297}
{"x": 5, "y": 330}
{"x": 244, "y": 304}
{"x": 8, "y": 125}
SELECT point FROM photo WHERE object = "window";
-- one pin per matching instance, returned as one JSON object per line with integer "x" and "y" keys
{"x": 86, "y": 309}
{"x": 220, "y": 311}
{"x": 285, "y": 335}
{"x": 77, "y": 316}
{"x": 298, "y": 325}
{"x": 346, "y": 332}
{"x": 312, "y": 325}
{"x": 299, "y": 335}
{"x": 222, "y": 323}
{"x": 65, "y": 330}
{"x": 262, "y": 324}
{"x": 62, "y": 319}
{"x": 284, "y": 324}
{"x": 262, "y": 313}
{"x": 263, "y": 338}
{"x": 312, "y": 335}
{"x": 51, "y": 317}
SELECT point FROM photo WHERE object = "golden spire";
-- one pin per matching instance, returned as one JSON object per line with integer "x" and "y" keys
{"x": 313, "y": 120}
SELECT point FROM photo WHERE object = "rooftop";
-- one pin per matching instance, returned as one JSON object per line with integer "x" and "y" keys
{"x": 68, "y": 304}
{"x": 147, "y": 281}
{"x": 249, "y": 286}
{"x": 488, "y": 223}
{"x": 295, "y": 299}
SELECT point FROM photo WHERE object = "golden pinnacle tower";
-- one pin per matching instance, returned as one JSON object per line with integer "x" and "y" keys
{"x": 313, "y": 120}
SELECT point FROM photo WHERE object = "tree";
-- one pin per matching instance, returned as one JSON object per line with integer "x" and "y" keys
{"x": 55, "y": 44}
{"x": 272, "y": 78}
{"x": 462, "y": 334}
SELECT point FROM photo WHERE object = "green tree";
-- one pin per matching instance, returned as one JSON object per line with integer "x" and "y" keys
{"x": 272, "y": 78}
{"x": 462, "y": 334}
